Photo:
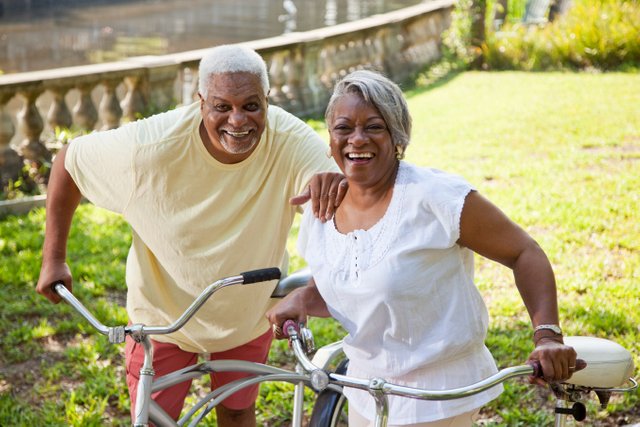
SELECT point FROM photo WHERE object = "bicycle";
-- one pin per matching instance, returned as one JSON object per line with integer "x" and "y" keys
{"x": 608, "y": 368}
{"x": 315, "y": 373}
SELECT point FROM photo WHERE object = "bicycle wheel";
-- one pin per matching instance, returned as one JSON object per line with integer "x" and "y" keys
{"x": 330, "y": 408}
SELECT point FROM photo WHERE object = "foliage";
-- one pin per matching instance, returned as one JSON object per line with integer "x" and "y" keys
{"x": 34, "y": 176}
{"x": 593, "y": 34}
{"x": 30, "y": 181}
{"x": 557, "y": 152}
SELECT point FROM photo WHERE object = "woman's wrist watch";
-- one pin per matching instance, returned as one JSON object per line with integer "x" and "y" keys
{"x": 552, "y": 332}
{"x": 554, "y": 328}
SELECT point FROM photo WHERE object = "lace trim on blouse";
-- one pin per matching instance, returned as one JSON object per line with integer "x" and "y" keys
{"x": 349, "y": 254}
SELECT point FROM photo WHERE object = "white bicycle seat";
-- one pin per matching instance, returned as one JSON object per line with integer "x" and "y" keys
{"x": 609, "y": 364}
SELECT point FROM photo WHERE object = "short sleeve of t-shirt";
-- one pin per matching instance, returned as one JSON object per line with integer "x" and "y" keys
{"x": 101, "y": 165}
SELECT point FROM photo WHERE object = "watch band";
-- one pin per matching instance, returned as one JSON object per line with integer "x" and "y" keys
{"x": 553, "y": 328}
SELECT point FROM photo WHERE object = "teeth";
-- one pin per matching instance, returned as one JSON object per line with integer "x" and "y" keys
{"x": 360, "y": 155}
{"x": 238, "y": 134}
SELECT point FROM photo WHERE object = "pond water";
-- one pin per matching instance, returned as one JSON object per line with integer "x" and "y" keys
{"x": 43, "y": 34}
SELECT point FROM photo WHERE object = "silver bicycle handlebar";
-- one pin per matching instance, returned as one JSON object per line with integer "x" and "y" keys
{"x": 66, "y": 295}
{"x": 320, "y": 378}
{"x": 116, "y": 333}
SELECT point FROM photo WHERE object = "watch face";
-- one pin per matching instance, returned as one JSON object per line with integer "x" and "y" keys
{"x": 554, "y": 328}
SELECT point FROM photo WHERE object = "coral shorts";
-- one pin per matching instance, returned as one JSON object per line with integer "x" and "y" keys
{"x": 168, "y": 358}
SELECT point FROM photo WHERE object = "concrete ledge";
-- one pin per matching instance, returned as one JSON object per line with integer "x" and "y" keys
{"x": 21, "y": 206}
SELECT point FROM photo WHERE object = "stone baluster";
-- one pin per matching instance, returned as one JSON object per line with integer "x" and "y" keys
{"x": 314, "y": 93}
{"x": 420, "y": 39}
{"x": 347, "y": 56}
{"x": 109, "y": 108}
{"x": 134, "y": 103}
{"x": 293, "y": 74}
{"x": 400, "y": 43}
{"x": 394, "y": 60}
{"x": 365, "y": 49}
{"x": 432, "y": 38}
{"x": 85, "y": 115}
{"x": 161, "y": 82}
{"x": 410, "y": 47}
{"x": 31, "y": 125}
{"x": 10, "y": 162}
{"x": 339, "y": 62}
{"x": 59, "y": 115}
{"x": 277, "y": 79}
{"x": 355, "y": 58}
{"x": 374, "y": 48}
{"x": 329, "y": 71}
{"x": 190, "y": 85}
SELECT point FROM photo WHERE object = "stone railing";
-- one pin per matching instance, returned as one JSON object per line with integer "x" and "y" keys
{"x": 303, "y": 68}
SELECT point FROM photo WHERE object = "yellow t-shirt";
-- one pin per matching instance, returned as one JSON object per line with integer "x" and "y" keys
{"x": 195, "y": 220}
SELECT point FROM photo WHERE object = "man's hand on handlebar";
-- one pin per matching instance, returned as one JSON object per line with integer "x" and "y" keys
{"x": 50, "y": 273}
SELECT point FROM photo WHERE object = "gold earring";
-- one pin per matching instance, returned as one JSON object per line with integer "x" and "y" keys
{"x": 399, "y": 152}
{"x": 328, "y": 153}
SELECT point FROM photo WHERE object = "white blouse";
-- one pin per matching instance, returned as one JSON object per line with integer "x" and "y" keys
{"x": 404, "y": 292}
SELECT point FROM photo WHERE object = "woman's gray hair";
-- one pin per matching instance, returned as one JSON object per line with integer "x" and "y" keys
{"x": 231, "y": 59}
{"x": 383, "y": 94}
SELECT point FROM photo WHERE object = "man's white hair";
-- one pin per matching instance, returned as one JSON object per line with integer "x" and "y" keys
{"x": 231, "y": 59}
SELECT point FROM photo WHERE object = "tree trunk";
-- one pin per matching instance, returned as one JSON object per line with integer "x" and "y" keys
{"x": 500, "y": 13}
{"x": 558, "y": 7}
{"x": 478, "y": 13}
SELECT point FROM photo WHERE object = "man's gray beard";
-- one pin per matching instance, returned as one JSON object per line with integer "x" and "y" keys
{"x": 234, "y": 149}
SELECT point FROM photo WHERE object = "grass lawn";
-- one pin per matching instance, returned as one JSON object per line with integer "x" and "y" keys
{"x": 559, "y": 153}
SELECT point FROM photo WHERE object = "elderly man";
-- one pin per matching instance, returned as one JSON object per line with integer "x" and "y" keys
{"x": 206, "y": 190}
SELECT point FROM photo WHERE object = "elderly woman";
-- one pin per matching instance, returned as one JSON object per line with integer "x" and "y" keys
{"x": 395, "y": 266}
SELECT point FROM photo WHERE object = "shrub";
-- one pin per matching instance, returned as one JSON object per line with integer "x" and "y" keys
{"x": 594, "y": 34}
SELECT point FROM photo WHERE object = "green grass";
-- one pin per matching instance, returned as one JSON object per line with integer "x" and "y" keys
{"x": 559, "y": 153}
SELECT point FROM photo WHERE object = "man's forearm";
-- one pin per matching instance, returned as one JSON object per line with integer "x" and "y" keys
{"x": 63, "y": 197}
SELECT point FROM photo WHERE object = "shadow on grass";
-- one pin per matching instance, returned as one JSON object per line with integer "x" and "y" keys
{"x": 424, "y": 83}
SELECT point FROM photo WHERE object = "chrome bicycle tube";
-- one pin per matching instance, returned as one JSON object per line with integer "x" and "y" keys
{"x": 144, "y": 385}
{"x": 66, "y": 295}
{"x": 194, "y": 307}
{"x": 298, "y": 404}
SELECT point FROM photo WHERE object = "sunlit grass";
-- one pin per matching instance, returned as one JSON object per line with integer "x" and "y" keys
{"x": 559, "y": 153}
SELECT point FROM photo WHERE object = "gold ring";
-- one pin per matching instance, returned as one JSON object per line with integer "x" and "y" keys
{"x": 276, "y": 329}
{"x": 572, "y": 368}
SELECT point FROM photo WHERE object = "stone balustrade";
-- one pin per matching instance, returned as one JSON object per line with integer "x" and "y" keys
{"x": 303, "y": 68}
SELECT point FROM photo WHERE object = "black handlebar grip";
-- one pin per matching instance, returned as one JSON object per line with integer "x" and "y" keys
{"x": 261, "y": 275}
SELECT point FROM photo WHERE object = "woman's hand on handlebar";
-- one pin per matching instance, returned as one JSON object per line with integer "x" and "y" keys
{"x": 297, "y": 306}
{"x": 292, "y": 307}
{"x": 557, "y": 360}
{"x": 50, "y": 273}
